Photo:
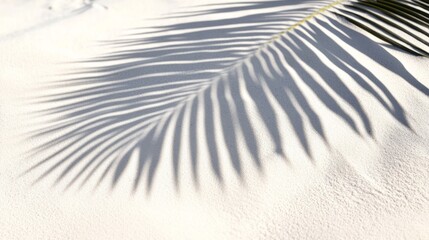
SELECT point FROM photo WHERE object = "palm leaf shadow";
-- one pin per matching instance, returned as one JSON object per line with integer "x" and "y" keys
{"x": 201, "y": 81}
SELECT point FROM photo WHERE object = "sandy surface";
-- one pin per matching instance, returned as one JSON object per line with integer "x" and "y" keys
{"x": 182, "y": 120}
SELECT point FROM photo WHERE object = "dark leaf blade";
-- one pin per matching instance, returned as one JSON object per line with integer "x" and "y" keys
{"x": 391, "y": 21}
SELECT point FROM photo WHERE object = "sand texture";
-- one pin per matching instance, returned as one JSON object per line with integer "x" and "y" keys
{"x": 163, "y": 119}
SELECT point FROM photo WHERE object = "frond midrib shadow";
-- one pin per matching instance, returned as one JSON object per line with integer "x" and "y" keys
{"x": 129, "y": 107}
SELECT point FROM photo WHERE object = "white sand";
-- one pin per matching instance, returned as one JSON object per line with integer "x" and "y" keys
{"x": 367, "y": 183}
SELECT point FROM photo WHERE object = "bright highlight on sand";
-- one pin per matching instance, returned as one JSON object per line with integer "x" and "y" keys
{"x": 271, "y": 119}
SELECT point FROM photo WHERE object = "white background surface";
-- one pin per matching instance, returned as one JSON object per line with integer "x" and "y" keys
{"x": 360, "y": 188}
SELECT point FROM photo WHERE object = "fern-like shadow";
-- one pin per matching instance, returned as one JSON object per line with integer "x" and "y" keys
{"x": 188, "y": 88}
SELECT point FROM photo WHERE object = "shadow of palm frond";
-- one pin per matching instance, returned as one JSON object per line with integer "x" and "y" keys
{"x": 188, "y": 87}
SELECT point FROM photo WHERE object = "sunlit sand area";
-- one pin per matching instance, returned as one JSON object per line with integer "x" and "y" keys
{"x": 163, "y": 119}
